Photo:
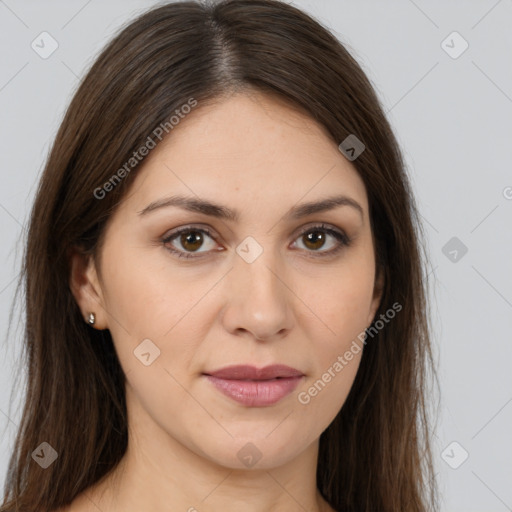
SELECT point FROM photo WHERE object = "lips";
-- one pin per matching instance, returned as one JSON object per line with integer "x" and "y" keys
{"x": 255, "y": 387}
{"x": 247, "y": 372}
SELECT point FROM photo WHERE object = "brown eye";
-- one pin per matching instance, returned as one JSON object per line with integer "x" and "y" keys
{"x": 185, "y": 242}
{"x": 323, "y": 240}
{"x": 191, "y": 240}
{"x": 314, "y": 240}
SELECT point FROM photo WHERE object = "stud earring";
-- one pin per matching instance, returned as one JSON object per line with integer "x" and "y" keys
{"x": 92, "y": 318}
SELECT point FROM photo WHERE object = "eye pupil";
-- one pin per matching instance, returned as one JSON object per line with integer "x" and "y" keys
{"x": 314, "y": 237}
{"x": 194, "y": 238}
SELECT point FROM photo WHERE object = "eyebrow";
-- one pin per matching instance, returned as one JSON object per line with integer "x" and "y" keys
{"x": 206, "y": 207}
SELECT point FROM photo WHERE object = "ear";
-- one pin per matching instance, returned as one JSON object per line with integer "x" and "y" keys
{"x": 378, "y": 290}
{"x": 86, "y": 287}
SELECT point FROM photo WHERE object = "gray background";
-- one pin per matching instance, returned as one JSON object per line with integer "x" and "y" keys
{"x": 452, "y": 117}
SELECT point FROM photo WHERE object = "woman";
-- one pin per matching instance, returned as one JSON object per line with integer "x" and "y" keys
{"x": 224, "y": 293}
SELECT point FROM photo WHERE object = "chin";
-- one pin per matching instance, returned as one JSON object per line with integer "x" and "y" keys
{"x": 260, "y": 451}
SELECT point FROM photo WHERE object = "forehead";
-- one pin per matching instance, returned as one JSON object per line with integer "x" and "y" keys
{"x": 250, "y": 148}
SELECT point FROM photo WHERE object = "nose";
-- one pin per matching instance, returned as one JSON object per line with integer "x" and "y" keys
{"x": 258, "y": 300}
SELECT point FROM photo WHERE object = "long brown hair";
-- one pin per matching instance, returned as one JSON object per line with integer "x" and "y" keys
{"x": 376, "y": 453}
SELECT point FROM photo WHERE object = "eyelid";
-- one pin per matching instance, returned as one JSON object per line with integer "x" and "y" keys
{"x": 321, "y": 226}
{"x": 189, "y": 227}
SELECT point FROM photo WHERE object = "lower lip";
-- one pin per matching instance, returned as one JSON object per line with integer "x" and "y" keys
{"x": 256, "y": 393}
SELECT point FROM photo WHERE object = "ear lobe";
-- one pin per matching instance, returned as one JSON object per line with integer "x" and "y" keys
{"x": 85, "y": 286}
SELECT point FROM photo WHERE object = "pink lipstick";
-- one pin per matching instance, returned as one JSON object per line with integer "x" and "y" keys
{"x": 255, "y": 387}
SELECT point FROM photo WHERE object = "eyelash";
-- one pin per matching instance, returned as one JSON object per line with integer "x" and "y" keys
{"x": 342, "y": 238}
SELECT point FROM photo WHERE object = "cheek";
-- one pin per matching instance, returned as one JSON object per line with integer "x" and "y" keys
{"x": 145, "y": 301}
{"x": 324, "y": 394}
{"x": 342, "y": 303}
{"x": 142, "y": 295}
{"x": 337, "y": 351}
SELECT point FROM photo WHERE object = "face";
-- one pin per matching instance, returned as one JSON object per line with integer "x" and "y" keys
{"x": 187, "y": 289}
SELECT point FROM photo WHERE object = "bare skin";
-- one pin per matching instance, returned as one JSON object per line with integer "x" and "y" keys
{"x": 299, "y": 303}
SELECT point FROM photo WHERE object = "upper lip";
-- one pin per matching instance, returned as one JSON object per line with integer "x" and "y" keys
{"x": 248, "y": 372}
